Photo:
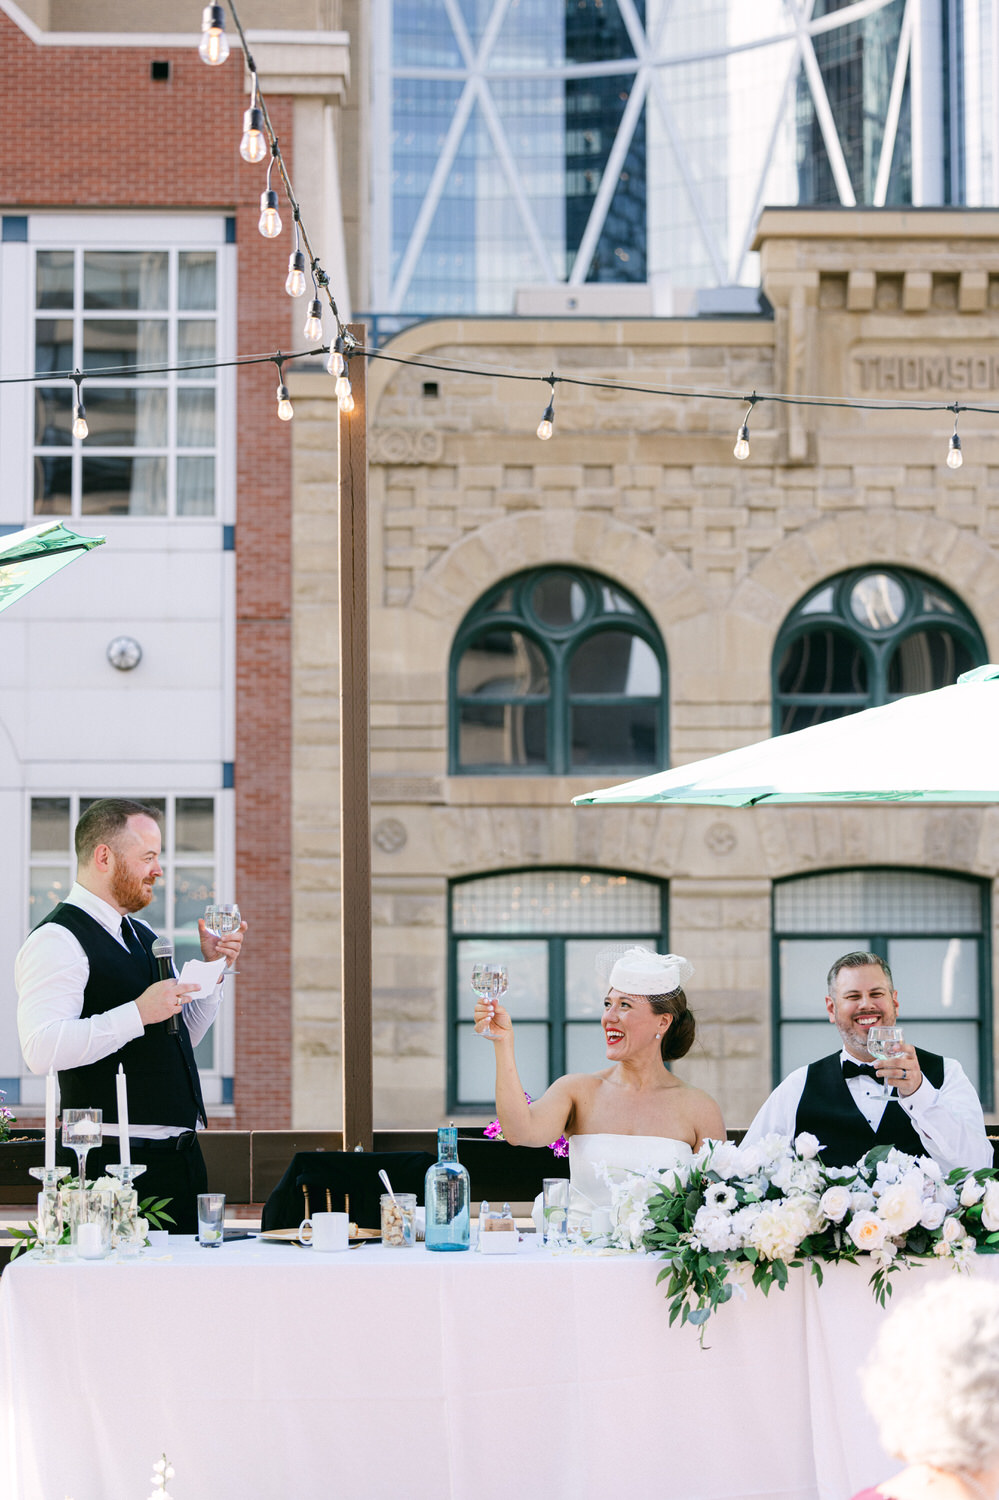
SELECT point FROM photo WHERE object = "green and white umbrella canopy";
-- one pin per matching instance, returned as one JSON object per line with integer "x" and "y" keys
{"x": 27, "y": 558}
{"x": 941, "y": 746}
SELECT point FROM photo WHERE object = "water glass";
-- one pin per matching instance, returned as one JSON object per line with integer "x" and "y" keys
{"x": 211, "y": 1219}
{"x": 556, "y": 1209}
{"x": 399, "y": 1220}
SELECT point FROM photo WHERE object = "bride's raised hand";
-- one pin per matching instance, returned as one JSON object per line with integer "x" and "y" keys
{"x": 492, "y": 1020}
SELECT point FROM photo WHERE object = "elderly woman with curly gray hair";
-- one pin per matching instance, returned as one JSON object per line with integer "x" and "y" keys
{"x": 932, "y": 1385}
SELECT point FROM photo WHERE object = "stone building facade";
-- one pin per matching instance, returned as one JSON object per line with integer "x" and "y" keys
{"x": 643, "y": 491}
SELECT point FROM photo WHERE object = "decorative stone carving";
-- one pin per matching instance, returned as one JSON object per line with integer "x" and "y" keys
{"x": 720, "y": 838}
{"x": 390, "y": 835}
{"x": 405, "y": 445}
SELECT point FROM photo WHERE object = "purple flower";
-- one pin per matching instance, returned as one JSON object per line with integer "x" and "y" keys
{"x": 494, "y": 1131}
{"x": 561, "y": 1146}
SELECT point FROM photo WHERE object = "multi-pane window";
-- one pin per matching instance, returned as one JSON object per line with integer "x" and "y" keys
{"x": 547, "y": 926}
{"x": 868, "y": 637}
{"x": 558, "y": 671}
{"x": 930, "y": 928}
{"x": 151, "y": 449}
{"x": 189, "y": 860}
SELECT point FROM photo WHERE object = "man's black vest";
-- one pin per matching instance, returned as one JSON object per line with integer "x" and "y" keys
{"x": 828, "y": 1111}
{"x": 163, "y": 1083}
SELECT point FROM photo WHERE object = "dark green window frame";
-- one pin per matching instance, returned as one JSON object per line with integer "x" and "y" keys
{"x": 877, "y": 645}
{"x": 557, "y": 1019}
{"x": 879, "y": 945}
{"x": 558, "y": 645}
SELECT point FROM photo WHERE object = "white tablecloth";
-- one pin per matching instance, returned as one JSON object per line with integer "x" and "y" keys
{"x": 268, "y": 1370}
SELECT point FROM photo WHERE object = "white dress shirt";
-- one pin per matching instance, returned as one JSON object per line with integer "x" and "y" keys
{"x": 51, "y": 973}
{"x": 948, "y": 1120}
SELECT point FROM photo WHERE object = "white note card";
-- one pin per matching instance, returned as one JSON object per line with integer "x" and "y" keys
{"x": 205, "y": 976}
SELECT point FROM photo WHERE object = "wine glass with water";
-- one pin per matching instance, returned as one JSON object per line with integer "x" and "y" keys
{"x": 222, "y": 919}
{"x": 884, "y": 1042}
{"x": 489, "y": 983}
{"x": 82, "y": 1129}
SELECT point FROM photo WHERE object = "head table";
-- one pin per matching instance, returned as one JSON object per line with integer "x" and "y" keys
{"x": 273, "y": 1370}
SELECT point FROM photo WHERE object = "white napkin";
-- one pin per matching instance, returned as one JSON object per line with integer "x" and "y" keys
{"x": 205, "y": 976}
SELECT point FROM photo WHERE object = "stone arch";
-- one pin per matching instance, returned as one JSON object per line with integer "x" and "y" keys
{"x": 957, "y": 557}
{"x": 651, "y": 572}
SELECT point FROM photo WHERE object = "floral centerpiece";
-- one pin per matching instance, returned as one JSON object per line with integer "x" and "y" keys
{"x": 126, "y": 1223}
{"x": 747, "y": 1215}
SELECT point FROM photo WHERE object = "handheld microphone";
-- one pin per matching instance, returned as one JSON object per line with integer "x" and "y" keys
{"x": 163, "y": 954}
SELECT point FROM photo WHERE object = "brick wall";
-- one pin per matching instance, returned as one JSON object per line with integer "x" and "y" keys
{"x": 88, "y": 128}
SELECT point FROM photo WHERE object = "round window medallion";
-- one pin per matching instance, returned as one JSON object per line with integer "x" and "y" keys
{"x": 878, "y": 601}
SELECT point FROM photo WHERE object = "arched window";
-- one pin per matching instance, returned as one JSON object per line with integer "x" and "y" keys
{"x": 557, "y": 672}
{"x": 865, "y": 638}
{"x": 932, "y": 931}
{"x": 547, "y": 926}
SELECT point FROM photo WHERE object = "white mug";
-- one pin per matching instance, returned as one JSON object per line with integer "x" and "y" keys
{"x": 329, "y": 1231}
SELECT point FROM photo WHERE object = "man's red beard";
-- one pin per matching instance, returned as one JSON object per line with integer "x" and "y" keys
{"x": 129, "y": 891}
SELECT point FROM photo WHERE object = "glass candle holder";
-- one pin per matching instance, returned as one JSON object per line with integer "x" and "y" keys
{"x": 50, "y": 1209}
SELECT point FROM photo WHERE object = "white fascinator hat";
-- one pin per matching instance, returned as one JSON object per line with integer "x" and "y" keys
{"x": 639, "y": 971}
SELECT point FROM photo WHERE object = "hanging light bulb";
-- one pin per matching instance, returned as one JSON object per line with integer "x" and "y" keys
{"x": 213, "y": 48}
{"x": 955, "y": 458}
{"x": 336, "y": 364}
{"x": 80, "y": 428}
{"x": 295, "y": 282}
{"x": 346, "y": 402}
{"x": 342, "y": 387}
{"x": 285, "y": 409}
{"x": 314, "y": 322}
{"x": 270, "y": 220}
{"x": 741, "y": 449}
{"x": 547, "y": 423}
{"x": 253, "y": 147}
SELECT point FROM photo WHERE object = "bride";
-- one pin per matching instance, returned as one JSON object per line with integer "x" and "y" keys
{"x": 634, "y": 1115}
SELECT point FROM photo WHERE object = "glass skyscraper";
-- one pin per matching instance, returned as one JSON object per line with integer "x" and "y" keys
{"x": 529, "y": 143}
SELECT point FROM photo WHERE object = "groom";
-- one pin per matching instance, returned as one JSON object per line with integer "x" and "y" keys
{"x": 842, "y": 1099}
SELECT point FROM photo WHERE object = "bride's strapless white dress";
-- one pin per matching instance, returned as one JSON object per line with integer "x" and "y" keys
{"x": 591, "y": 1155}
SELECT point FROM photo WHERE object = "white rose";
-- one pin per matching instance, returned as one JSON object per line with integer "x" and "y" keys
{"x": 807, "y": 1145}
{"x": 835, "y": 1202}
{"x": 861, "y": 1201}
{"x": 942, "y": 1247}
{"x": 866, "y": 1231}
{"x": 990, "y": 1206}
{"x": 933, "y": 1215}
{"x": 953, "y": 1230}
{"x": 901, "y": 1205}
{"x": 972, "y": 1192}
{"x": 725, "y": 1159}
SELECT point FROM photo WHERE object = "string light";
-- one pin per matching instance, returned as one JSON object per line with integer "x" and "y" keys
{"x": 955, "y": 458}
{"x": 346, "y": 403}
{"x": 270, "y": 220}
{"x": 295, "y": 281}
{"x": 314, "y": 322}
{"x": 80, "y": 428}
{"x": 336, "y": 364}
{"x": 546, "y": 425}
{"x": 285, "y": 410}
{"x": 741, "y": 449}
{"x": 253, "y": 147}
{"x": 213, "y": 48}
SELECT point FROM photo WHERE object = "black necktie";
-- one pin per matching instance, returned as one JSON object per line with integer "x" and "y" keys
{"x": 860, "y": 1070}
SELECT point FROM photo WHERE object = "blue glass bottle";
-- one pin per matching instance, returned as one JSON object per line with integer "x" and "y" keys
{"x": 446, "y": 1195}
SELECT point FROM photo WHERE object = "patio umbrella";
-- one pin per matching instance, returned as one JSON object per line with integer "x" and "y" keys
{"x": 28, "y": 557}
{"x": 941, "y": 746}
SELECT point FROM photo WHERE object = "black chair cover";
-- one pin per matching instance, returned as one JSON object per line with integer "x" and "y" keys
{"x": 354, "y": 1173}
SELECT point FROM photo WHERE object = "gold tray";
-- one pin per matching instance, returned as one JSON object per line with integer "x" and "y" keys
{"x": 290, "y": 1236}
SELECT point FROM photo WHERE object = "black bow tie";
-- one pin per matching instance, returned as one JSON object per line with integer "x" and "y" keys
{"x": 860, "y": 1070}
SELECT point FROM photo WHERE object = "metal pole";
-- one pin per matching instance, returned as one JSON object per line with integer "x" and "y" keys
{"x": 355, "y": 799}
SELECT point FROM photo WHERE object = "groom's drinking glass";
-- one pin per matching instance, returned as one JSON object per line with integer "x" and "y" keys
{"x": 884, "y": 1042}
{"x": 489, "y": 983}
{"x": 221, "y": 920}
